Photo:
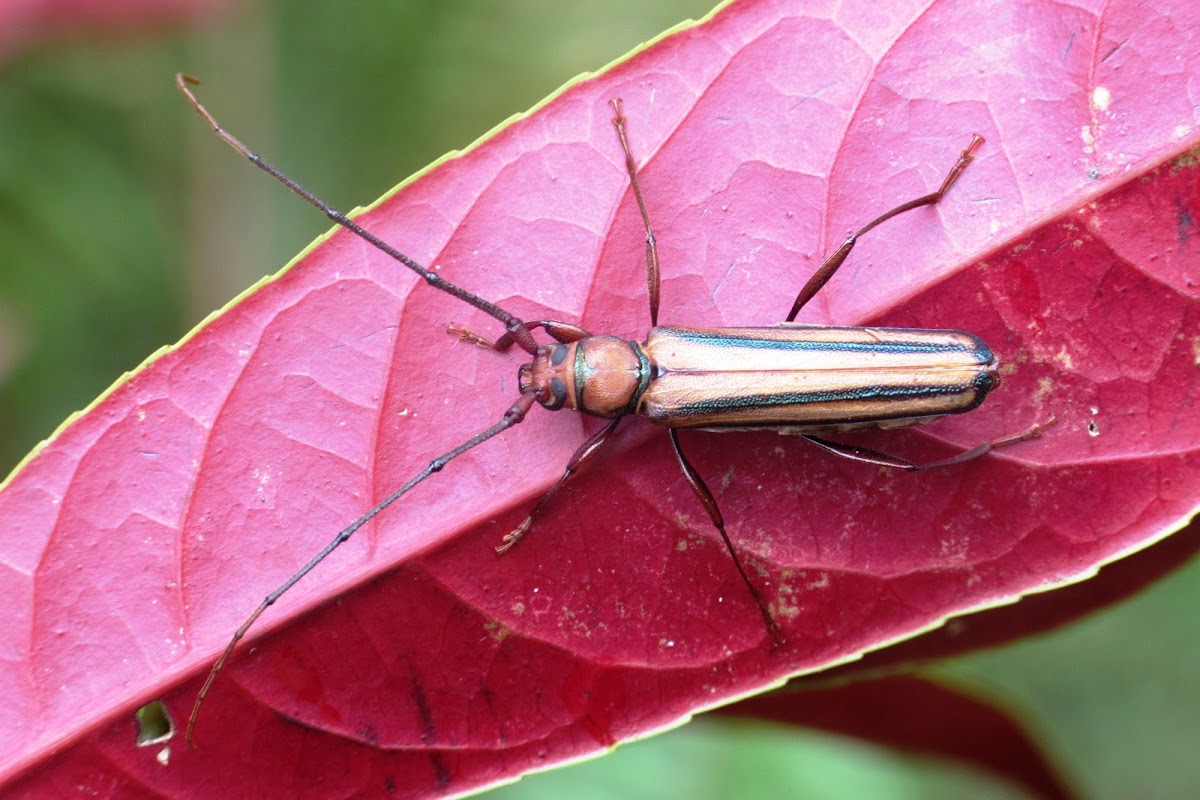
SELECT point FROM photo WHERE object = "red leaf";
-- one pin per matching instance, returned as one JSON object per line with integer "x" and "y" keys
{"x": 1036, "y": 614}
{"x": 921, "y": 716}
{"x": 142, "y": 534}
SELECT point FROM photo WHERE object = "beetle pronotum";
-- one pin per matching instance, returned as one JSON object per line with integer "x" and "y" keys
{"x": 809, "y": 379}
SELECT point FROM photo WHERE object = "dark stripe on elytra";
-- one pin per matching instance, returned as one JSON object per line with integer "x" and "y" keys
{"x": 980, "y": 351}
{"x": 981, "y": 383}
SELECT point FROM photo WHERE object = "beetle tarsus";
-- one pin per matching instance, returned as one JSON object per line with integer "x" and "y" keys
{"x": 1034, "y": 432}
{"x": 512, "y": 537}
{"x": 469, "y": 336}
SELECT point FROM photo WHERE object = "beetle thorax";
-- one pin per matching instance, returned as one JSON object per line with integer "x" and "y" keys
{"x": 599, "y": 375}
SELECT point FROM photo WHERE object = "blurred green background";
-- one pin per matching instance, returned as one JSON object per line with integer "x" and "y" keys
{"x": 122, "y": 226}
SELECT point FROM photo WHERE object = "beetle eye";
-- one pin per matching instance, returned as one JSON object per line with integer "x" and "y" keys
{"x": 558, "y": 394}
{"x": 558, "y": 354}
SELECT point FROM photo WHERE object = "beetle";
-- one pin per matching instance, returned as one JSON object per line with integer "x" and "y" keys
{"x": 808, "y": 379}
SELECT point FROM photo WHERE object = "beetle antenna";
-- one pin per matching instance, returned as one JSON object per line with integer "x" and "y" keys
{"x": 515, "y": 414}
{"x": 512, "y": 324}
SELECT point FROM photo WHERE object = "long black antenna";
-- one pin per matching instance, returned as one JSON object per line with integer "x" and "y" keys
{"x": 515, "y": 414}
{"x": 514, "y": 326}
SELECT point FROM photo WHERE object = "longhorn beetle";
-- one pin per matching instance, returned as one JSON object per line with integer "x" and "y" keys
{"x": 811, "y": 379}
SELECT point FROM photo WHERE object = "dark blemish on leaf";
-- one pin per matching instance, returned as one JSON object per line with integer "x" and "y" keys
{"x": 428, "y": 732}
{"x": 440, "y": 770}
{"x": 1186, "y": 223}
{"x": 1067, "y": 49}
{"x": 489, "y": 699}
{"x": 1113, "y": 52}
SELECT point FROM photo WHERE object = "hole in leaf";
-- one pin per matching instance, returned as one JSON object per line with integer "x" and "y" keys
{"x": 154, "y": 724}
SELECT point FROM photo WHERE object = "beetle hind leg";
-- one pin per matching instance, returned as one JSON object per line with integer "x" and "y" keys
{"x": 866, "y": 455}
{"x": 831, "y": 264}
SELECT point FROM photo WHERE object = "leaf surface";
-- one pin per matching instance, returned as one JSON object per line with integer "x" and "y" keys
{"x": 923, "y": 717}
{"x": 148, "y": 527}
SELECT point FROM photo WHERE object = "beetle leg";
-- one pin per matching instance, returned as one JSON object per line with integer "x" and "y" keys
{"x": 830, "y": 265}
{"x": 714, "y": 513}
{"x": 563, "y": 332}
{"x": 583, "y": 456}
{"x": 867, "y": 456}
{"x": 652, "y": 271}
